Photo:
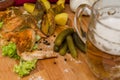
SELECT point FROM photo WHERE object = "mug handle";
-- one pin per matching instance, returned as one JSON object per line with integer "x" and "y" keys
{"x": 82, "y": 9}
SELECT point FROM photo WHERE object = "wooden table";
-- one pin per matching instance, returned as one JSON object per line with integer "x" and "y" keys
{"x": 61, "y": 68}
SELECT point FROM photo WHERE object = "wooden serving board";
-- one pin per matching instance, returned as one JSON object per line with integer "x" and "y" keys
{"x": 61, "y": 68}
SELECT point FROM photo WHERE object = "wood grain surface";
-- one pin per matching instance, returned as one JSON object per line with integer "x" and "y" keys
{"x": 61, "y": 68}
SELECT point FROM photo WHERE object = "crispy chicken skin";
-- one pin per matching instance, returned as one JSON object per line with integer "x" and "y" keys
{"x": 24, "y": 40}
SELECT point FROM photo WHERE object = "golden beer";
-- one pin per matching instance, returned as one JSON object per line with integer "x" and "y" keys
{"x": 102, "y": 37}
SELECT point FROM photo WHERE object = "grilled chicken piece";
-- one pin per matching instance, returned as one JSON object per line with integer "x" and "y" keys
{"x": 15, "y": 20}
{"x": 12, "y": 23}
{"x": 22, "y": 30}
{"x": 3, "y": 14}
{"x": 45, "y": 50}
{"x": 11, "y": 19}
{"x": 38, "y": 55}
{"x": 24, "y": 40}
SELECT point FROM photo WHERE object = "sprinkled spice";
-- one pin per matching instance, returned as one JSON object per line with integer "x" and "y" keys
{"x": 45, "y": 41}
{"x": 68, "y": 51}
{"x": 40, "y": 49}
{"x": 36, "y": 42}
{"x": 66, "y": 70}
{"x": 36, "y": 78}
{"x": 54, "y": 35}
{"x": 48, "y": 43}
{"x": 65, "y": 59}
{"x": 54, "y": 62}
{"x": 47, "y": 36}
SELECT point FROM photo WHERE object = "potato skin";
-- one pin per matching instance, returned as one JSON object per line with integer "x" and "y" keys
{"x": 61, "y": 18}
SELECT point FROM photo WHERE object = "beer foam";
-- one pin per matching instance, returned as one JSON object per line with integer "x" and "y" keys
{"x": 111, "y": 38}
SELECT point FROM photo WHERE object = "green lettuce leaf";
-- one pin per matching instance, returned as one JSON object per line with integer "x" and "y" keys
{"x": 24, "y": 67}
{"x": 10, "y": 50}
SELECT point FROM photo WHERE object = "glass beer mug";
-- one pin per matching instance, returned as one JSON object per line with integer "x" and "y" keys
{"x": 102, "y": 37}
